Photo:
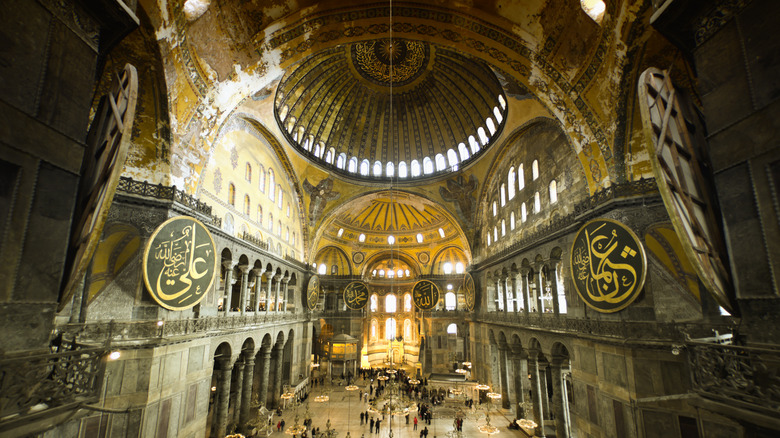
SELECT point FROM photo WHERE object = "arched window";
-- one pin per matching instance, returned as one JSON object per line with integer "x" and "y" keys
{"x": 537, "y": 203}
{"x": 459, "y": 268}
{"x": 377, "y": 168}
{"x": 447, "y": 267}
{"x": 390, "y": 240}
{"x": 287, "y": 234}
{"x": 334, "y": 270}
{"x": 452, "y": 158}
{"x": 407, "y": 303}
{"x": 283, "y": 113}
{"x": 261, "y": 179}
{"x": 246, "y": 205}
{"x": 340, "y": 233}
{"x": 450, "y": 302}
{"x": 441, "y": 232}
{"x": 271, "y": 184}
{"x": 279, "y": 228}
{"x": 228, "y": 224}
{"x": 452, "y": 329}
{"x": 464, "y": 152}
{"x": 391, "y": 303}
{"x": 419, "y": 238}
{"x": 495, "y": 209}
{"x": 293, "y": 238}
{"x": 482, "y": 136}
{"x": 594, "y": 8}
{"x": 553, "y": 192}
{"x": 512, "y": 220}
{"x": 352, "y": 165}
{"x": 329, "y": 156}
{"x": 341, "y": 161}
{"x": 374, "y": 328}
{"x": 248, "y": 173}
{"x": 415, "y": 168}
{"x": 364, "y": 167}
{"x": 490, "y": 126}
{"x": 488, "y": 238}
{"x": 497, "y": 113}
{"x": 520, "y": 178}
{"x": 503, "y": 227}
{"x": 390, "y": 328}
{"x": 407, "y": 330}
{"x": 501, "y": 101}
{"x": 373, "y": 303}
{"x": 441, "y": 163}
{"x": 316, "y": 148}
{"x": 232, "y": 194}
{"x": 510, "y": 180}
{"x": 535, "y": 170}
{"x": 362, "y": 237}
{"x": 322, "y": 270}
{"x": 279, "y": 196}
{"x": 288, "y": 209}
{"x": 402, "y": 171}
{"x": 260, "y": 215}
{"x": 270, "y": 222}
{"x": 503, "y": 194}
{"x": 495, "y": 234}
{"x": 390, "y": 169}
{"x": 427, "y": 165}
{"x": 474, "y": 145}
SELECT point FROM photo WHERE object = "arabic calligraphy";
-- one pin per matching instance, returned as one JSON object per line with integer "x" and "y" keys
{"x": 356, "y": 295}
{"x": 608, "y": 265}
{"x": 425, "y": 294}
{"x": 468, "y": 292}
{"x": 313, "y": 292}
{"x": 179, "y": 263}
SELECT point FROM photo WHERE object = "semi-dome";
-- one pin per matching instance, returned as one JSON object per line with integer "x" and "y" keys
{"x": 383, "y": 109}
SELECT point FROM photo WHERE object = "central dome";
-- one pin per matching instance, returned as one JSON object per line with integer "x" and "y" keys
{"x": 390, "y": 109}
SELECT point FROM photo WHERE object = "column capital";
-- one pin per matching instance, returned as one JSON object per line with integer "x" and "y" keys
{"x": 229, "y": 264}
{"x": 244, "y": 269}
{"x": 257, "y": 272}
{"x": 525, "y": 270}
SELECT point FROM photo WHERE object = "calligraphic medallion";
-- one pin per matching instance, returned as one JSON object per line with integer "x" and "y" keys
{"x": 469, "y": 292}
{"x": 179, "y": 263}
{"x": 313, "y": 292}
{"x": 425, "y": 294}
{"x": 356, "y": 295}
{"x": 608, "y": 265}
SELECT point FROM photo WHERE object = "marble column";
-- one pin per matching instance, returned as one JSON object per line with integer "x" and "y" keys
{"x": 227, "y": 292}
{"x": 504, "y": 284}
{"x": 279, "y": 350}
{"x": 268, "y": 293}
{"x": 533, "y": 368}
{"x": 223, "y": 395}
{"x": 521, "y": 374}
{"x": 242, "y": 296}
{"x": 246, "y": 393}
{"x": 239, "y": 389}
{"x": 284, "y": 293}
{"x": 554, "y": 285}
{"x": 276, "y": 294}
{"x": 264, "y": 375}
{"x": 258, "y": 276}
{"x": 561, "y": 428}
{"x": 502, "y": 358}
{"x": 539, "y": 290}
{"x": 513, "y": 286}
{"x": 543, "y": 370}
{"x": 526, "y": 296}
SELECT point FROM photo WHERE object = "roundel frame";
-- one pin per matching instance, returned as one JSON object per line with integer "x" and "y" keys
{"x": 314, "y": 282}
{"x": 640, "y": 250}
{"x": 145, "y": 264}
{"x": 469, "y": 292}
{"x": 344, "y": 295}
{"x": 415, "y": 295}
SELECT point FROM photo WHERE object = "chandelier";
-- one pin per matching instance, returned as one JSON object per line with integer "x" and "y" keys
{"x": 392, "y": 400}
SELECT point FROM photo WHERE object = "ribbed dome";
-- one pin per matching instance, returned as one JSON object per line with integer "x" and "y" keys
{"x": 336, "y": 107}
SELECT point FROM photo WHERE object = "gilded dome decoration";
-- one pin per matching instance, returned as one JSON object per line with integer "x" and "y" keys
{"x": 390, "y": 109}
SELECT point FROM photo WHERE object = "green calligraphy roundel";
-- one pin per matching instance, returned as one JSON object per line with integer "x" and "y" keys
{"x": 469, "y": 292}
{"x": 179, "y": 263}
{"x": 356, "y": 295}
{"x": 608, "y": 265}
{"x": 313, "y": 292}
{"x": 425, "y": 294}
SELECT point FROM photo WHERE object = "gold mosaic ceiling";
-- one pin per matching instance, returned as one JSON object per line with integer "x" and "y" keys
{"x": 390, "y": 101}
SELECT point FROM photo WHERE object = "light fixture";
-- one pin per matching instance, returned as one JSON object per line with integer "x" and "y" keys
{"x": 467, "y": 364}
{"x": 461, "y": 371}
{"x": 352, "y": 388}
{"x": 482, "y": 387}
{"x": 160, "y": 323}
{"x": 493, "y": 395}
{"x": 114, "y": 355}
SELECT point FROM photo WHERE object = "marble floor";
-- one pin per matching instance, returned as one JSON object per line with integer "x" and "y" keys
{"x": 344, "y": 407}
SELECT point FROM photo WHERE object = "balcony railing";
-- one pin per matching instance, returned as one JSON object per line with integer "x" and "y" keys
{"x": 34, "y": 386}
{"x": 118, "y": 331}
{"x": 158, "y": 191}
{"x": 739, "y": 376}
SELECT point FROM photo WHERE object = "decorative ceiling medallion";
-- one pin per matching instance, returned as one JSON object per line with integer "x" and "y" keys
{"x": 424, "y": 257}
{"x": 608, "y": 265}
{"x": 358, "y": 257}
{"x": 313, "y": 292}
{"x": 425, "y": 294}
{"x": 469, "y": 292}
{"x": 179, "y": 263}
{"x": 390, "y": 61}
{"x": 356, "y": 295}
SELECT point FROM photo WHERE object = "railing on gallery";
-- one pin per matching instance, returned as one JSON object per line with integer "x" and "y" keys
{"x": 255, "y": 241}
{"x": 35, "y": 385}
{"x": 150, "y": 330}
{"x": 739, "y": 376}
{"x": 130, "y": 186}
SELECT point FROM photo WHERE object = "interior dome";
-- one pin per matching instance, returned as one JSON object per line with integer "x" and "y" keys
{"x": 390, "y": 109}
